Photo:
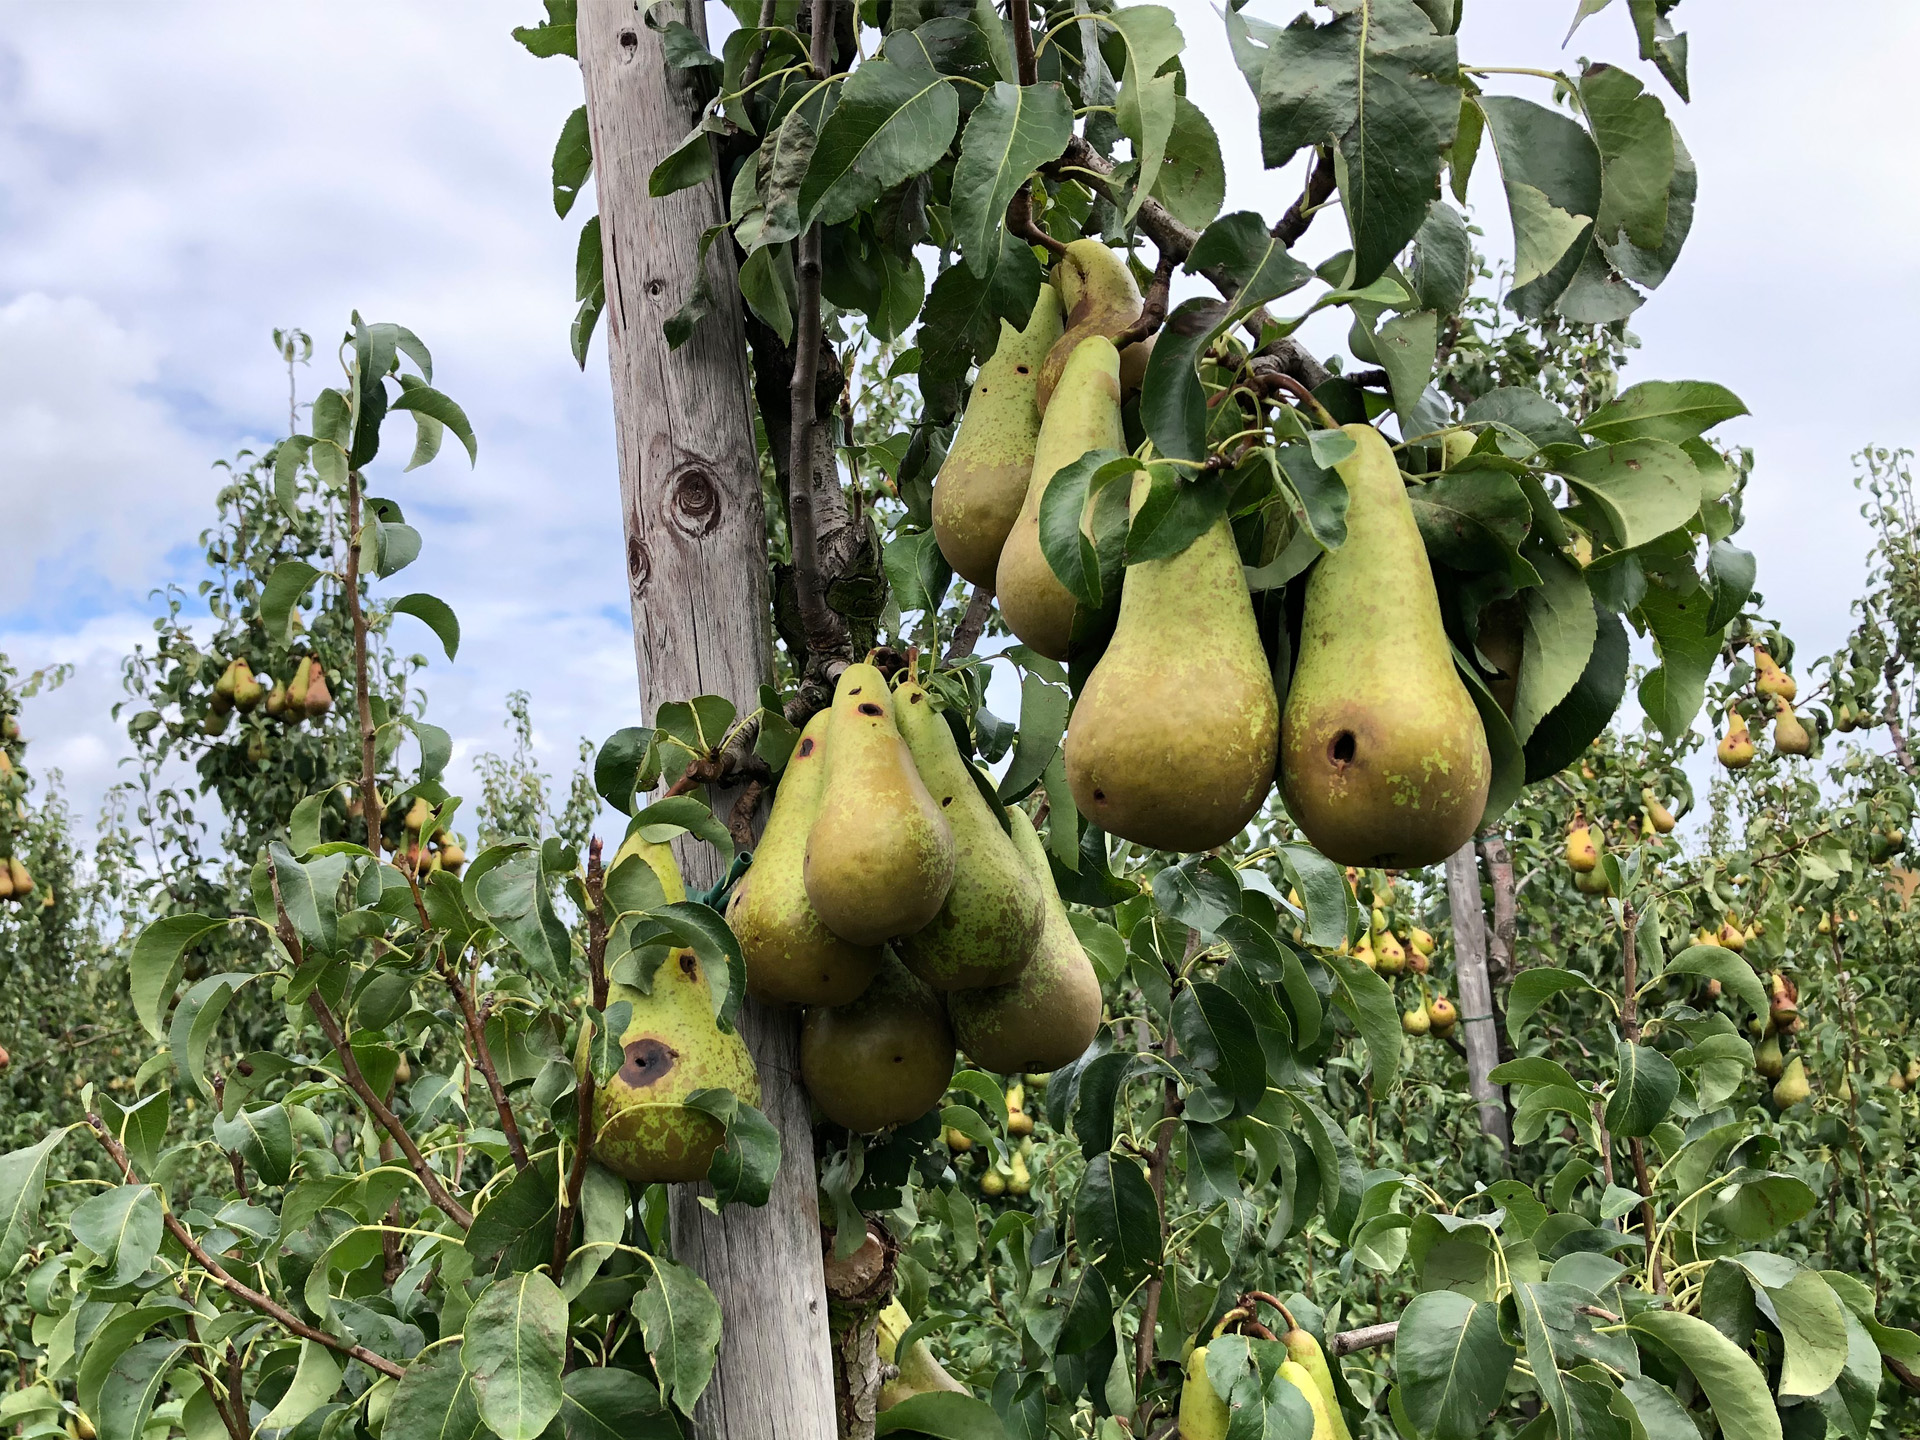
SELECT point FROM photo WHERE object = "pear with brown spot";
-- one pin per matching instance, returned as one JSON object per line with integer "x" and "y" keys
{"x": 643, "y": 1128}
{"x": 986, "y": 931}
{"x": 792, "y": 957}
{"x": 1101, "y": 298}
{"x": 880, "y": 855}
{"x": 883, "y": 1060}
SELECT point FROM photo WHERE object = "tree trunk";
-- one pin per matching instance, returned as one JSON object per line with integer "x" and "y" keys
{"x": 697, "y": 576}
{"x": 1478, "y": 1032}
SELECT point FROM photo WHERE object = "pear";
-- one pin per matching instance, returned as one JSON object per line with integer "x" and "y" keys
{"x": 1421, "y": 941}
{"x": 1050, "y": 1014}
{"x": 1442, "y": 1015}
{"x": 920, "y": 1373}
{"x": 1133, "y": 364}
{"x": 1790, "y": 736}
{"x": 1592, "y": 882}
{"x": 1736, "y": 746}
{"x": 1203, "y": 1414}
{"x": 1389, "y": 953}
{"x": 1582, "y": 854}
{"x": 1383, "y": 756}
{"x": 1297, "y": 1375}
{"x": 883, "y": 1060}
{"x": 297, "y": 688}
{"x": 1019, "y": 1178}
{"x": 986, "y": 931}
{"x": 993, "y": 1184}
{"x": 319, "y": 698}
{"x": 277, "y": 701}
{"x": 792, "y": 957}
{"x": 1174, "y": 736}
{"x": 6, "y": 882}
{"x": 1767, "y": 1059}
{"x": 247, "y": 691}
{"x": 216, "y": 720}
{"x": 1732, "y": 936}
{"x": 983, "y": 480}
{"x": 643, "y": 1130}
{"x": 1844, "y": 719}
{"x": 879, "y": 858}
{"x": 1792, "y": 1087}
{"x": 1101, "y": 298}
{"x": 958, "y": 1141}
{"x": 1662, "y": 818}
{"x": 1085, "y": 416}
{"x": 452, "y": 857}
{"x": 229, "y": 682}
{"x": 658, "y": 857}
{"x": 1770, "y": 679}
{"x": 1416, "y": 1021}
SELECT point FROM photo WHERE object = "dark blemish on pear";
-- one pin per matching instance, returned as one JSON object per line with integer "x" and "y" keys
{"x": 1341, "y": 751}
{"x": 689, "y": 965}
{"x": 946, "y": 802}
{"x": 648, "y": 1060}
{"x": 806, "y": 747}
{"x": 869, "y": 708}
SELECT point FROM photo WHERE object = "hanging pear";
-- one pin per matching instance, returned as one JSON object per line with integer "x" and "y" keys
{"x": 1736, "y": 746}
{"x": 1767, "y": 1058}
{"x": 879, "y": 858}
{"x": 920, "y": 1373}
{"x": 883, "y": 1060}
{"x": 1790, "y": 736}
{"x": 247, "y": 691}
{"x": 229, "y": 682}
{"x": 792, "y": 957}
{"x": 983, "y": 480}
{"x": 319, "y": 698}
{"x": 1296, "y": 1375}
{"x": 1662, "y": 818}
{"x": 1085, "y": 415}
{"x": 1442, "y": 1015}
{"x": 297, "y": 689}
{"x": 1101, "y": 298}
{"x": 1769, "y": 678}
{"x": 1383, "y": 756}
{"x": 277, "y": 701}
{"x": 1792, "y": 1087}
{"x": 1203, "y": 1414}
{"x": 1416, "y": 1021}
{"x": 1049, "y": 1015}
{"x": 643, "y": 1129}
{"x": 1582, "y": 854}
{"x": 986, "y": 931}
{"x": 1174, "y": 736}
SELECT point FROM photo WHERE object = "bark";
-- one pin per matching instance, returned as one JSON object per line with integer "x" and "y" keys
{"x": 1478, "y": 1032}
{"x": 695, "y": 534}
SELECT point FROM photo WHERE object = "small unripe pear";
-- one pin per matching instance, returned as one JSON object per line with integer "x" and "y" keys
{"x": 216, "y": 721}
{"x": 229, "y": 681}
{"x": 1732, "y": 936}
{"x": 1020, "y": 1182}
{"x": 993, "y": 1184}
{"x": 297, "y": 687}
{"x": 1736, "y": 746}
{"x": 419, "y": 814}
{"x": 1421, "y": 941}
{"x": 1019, "y": 1123}
{"x": 1790, "y": 737}
{"x": 277, "y": 700}
{"x": 1582, "y": 854}
{"x": 1416, "y": 1021}
{"x": 958, "y": 1141}
{"x": 1658, "y": 813}
{"x": 1767, "y": 1059}
{"x": 1792, "y": 1086}
{"x": 1769, "y": 678}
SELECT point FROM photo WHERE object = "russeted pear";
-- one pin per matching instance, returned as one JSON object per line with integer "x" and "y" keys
{"x": 919, "y": 1373}
{"x": 643, "y": 1130}
{"x": 977, "y": 494}
{"x": 883, "y": 1060}
{"x": 1382, "y": 753}
{"x": 792, "y": 957}
{"x": 1101, "y": 298}
{"x": 1049, "y": 1015}
{"x": 1173, "y": 739}
{"x": 879, "y": 857}
{"x": 1085, "y": 415}
{"x": 297, "y": 688}
{"x": 986, "y": 931}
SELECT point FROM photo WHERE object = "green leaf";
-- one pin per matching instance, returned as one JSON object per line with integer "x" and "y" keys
{"x": 680, "y": 1320}
{"x": 264, "y": 1138}
{"x": 1192, "y": 182}
{"x": 942, "y": 1414}
{"x": 1472, "y": 520}
{"x": 701, "y": 929}
{"x": 1643, "y": 488}
{"x": 779, "y": 169}
{"x": 307, "y": 890}
{"x": 1672, "y": 694}
{"x": 590, "y": 289}
{"x": 1660, "y": 44}
{"x": 573, "y": 162}
{"x": 747, "y": 1160}
{"x": 916, "y": 570}
{"x": 1012, "y": 132}
{"x": 1671, "y": 410}
{"x": 625, "y": 765}
{"x": 766, "y": 284}
{"x": 1368, "y": 1002}
{"x": 23, "y": 1186}
{"x": 1442, "y": 261}
{"x": 1452, "y": 1364}
{"x": 1643, "y": 1091}
{"x": 895, "y": 118}
{"x": 514, "y": 1350}
{"x": 961, "y": 320}
{"x": 126, "y": 1400}
{"x": 1218, "y": 1039}
{"x": 1757, "y": 1207}
{"x": 1560, "y": 627}
{"x": 427, "y": 401}
{"x": 1716, "y": 962}
{"x": 554, "y": 35}
{"x": 1144, "y": 108}
{"x": 1734, "y": 1385}
{"x": 1811, "y": 1320}
{"x": 1635, "y": 140}
{"x": 1563, "y": 734}
{"x": 1116, "y": 1219}
{"x": 1407, "y": 345}
{"x": 605, "y": 1404}
{"x": 122, "y": 1228}
{"x": 436, "y": 1398}
{"x": 1043, "y": 720}
{"x": 437, "y": 614}
{"x": 315, "y": 1378}
{"x": 1533, "y": 988}
{"x": 1067, "y": 500}
{"x": 681, "y": 815}
{"x": 513, "y": 894}
{"x": 289, "y": 581}
{"x": 1551, "y": 170}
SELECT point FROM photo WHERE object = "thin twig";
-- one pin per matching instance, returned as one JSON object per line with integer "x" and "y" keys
{"x": 1022, "y": 225}
{"x": 1367, "y": 1337}
{"x": 483, "y": 1053}
{"x": 1630, "y": 1029}
{"x": 1153, "y": 310}
{"x": 246, "y": 1294}
{"x": 1292, "y": 225}
{"x": 583, "y": 1141}
{"x": 750, "y": 72}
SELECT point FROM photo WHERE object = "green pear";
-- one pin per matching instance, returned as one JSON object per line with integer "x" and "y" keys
{"x": 1174, "y": 735}
{"x": 1792, "y": 1086}
{"x": 1203, "y": 1414}
{"x": 920, "y": 1373}
{"x": 642, "y": 1128}
{"x": 1295, "y": 1374}
{"x": 1304, "y": 1351}
{"x": 883, "y": 1060}
{"x": 297, "y": 688}
{"x": 1101, "y": 298}
{"x": 1382, "y": 753}
{"x": 1051, "y": 1013}
{"x": 986, "y": 931}
{"x": 247, "y": 691}
{"x": 879, "y": 858}
{"x": 792, "y": 958}
{"x": 984, "y": 478}
{"x": 1085, "y": 416}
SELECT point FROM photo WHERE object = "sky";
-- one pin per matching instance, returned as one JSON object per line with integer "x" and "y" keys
{"x": 176, "y": 181}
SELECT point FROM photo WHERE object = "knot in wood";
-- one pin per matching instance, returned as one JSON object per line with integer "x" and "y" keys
{"x": 639, "y": 564}
{"x": 629, "y": 45}
{"x": 695, "y": 501}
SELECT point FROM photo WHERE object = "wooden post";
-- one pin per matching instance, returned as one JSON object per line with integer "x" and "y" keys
{"x": 697, "y": 574}
{"x": 1478, "y": 1033}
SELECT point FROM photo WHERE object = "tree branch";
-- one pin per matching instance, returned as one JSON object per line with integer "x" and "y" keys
{"x": 1292, "y": 225}
{"x": 1023, "y": 59}
{"x": 966, "y": 634}
{"x": 1153, "y": 309}
{"x": 483, "y": 1053}
{"x": 1367, "y": 1337}
{"x": 362, "y": 698}
{"x": 246, "y": 1294}
{"x": 1630, "y": 1028}
{"x": 583, "y": 1140}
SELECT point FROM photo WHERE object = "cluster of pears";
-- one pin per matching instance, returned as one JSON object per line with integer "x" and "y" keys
{"x": 1787, "y": 1070}
{"x": 1204, "y": 1414}
{"x": 889, "y": 899}
{"x": 643, "y": 1129}
{"x": 1585, "y": 845}
{"x": 1012, "y": 1175}
{"x": 415, "y": 853}
{"x": 304, "y": 697}
{"x": 16, "y": 881}
{"x": 1176, "y": 734}
{"x": 1790, "y": 733}
{"x": 1906, "y": 1079}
